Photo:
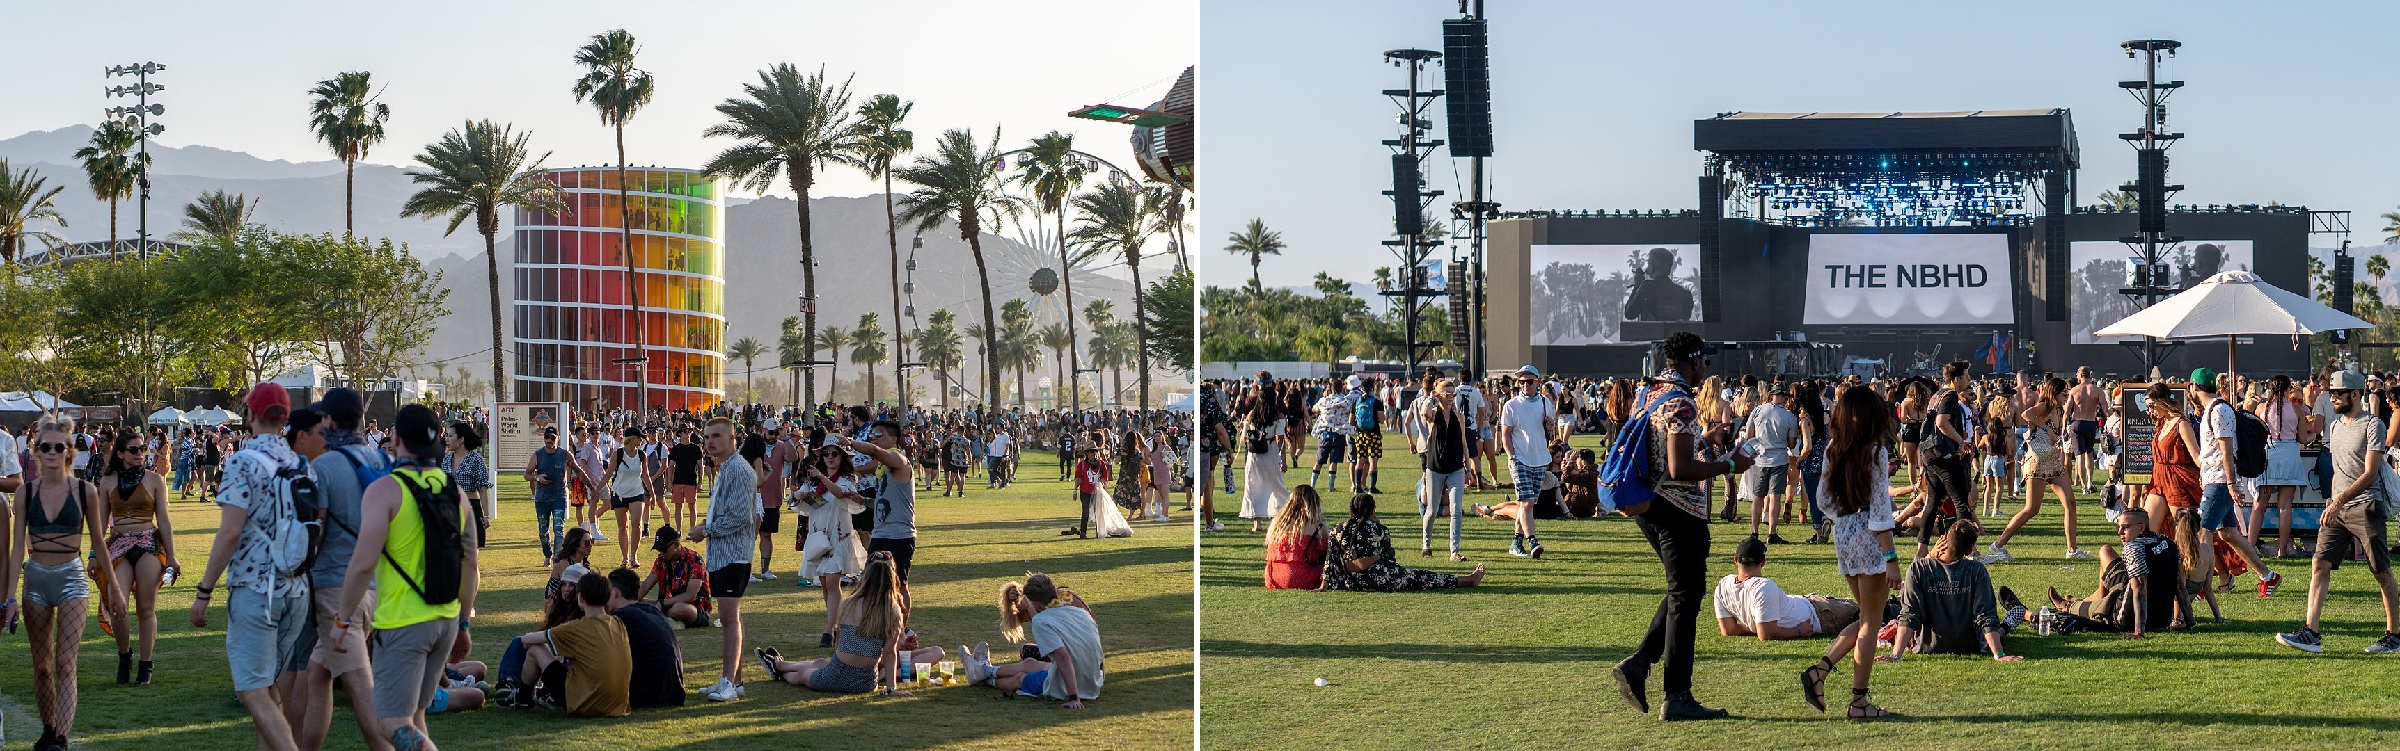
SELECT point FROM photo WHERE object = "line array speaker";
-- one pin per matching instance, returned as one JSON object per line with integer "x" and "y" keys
{"x": 1467, "y": 84}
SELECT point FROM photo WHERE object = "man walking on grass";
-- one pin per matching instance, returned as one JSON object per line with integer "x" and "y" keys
{"x": 267, "y": 609}
{"x": 2219, "y": 489}
{"x": 732, "y": 535}
{"x": 1525, "y": 425}
{"x": 2353, "y": 516}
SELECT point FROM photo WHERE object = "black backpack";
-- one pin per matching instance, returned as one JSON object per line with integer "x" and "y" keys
{"x": 2249, "y": 444}
{"x": 445, "y": 554}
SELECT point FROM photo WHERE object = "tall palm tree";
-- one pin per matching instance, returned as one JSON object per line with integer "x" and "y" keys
{"x": 1257, "y": 242}
{"x": 26, "y": 197}
{"x": 113, "y": 168}
{"x": 867, "y": 348}
{"x": 791, "y": 348}
{"x": 218, "y": 215}
{"x": 472, "y": 173}
{"x": 789, "y": 126}
{"x": 961, "y": 184}
{"x": 2391, "y": 226}
{"x": 937, "y": 346}
{"x": 1052, "y": 171}
{"x": 1101, "y": 315}
{"x": 345, "y": 113}
{"x": 1018, "y": 346}
{"x": 1056, "y": 338}
{"x": 1112, "y": 348}
{"x": 1118, "y": 217}
{"x": 617, "y": 90}
{"x": 832, "y": 340}
{"x": 878, "y": 142}
{"x": 747, "y": 350}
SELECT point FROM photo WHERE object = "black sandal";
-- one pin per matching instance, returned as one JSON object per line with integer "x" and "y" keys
{"x": 1812, "y": 682}
{"x": 1861, "y": 709}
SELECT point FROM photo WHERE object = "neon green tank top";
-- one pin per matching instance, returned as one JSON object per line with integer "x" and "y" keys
{"x": 396, "y": 603}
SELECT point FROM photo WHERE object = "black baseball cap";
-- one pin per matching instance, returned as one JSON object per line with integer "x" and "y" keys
{"x": 1750, "y": 550}
{"x": 342, "y": 405}
{"x": 419, "y": 429}
{"x": 667, "y": 537}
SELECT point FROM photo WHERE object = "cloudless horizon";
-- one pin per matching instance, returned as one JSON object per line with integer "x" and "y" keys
{"x": 237, "y": 77}
{"x": 1593, "y": 103}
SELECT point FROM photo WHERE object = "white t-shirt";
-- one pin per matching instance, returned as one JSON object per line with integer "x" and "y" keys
{"x": 1771, "y": 423}
{"x": 1475, "y": 404}
{"x": 1522, "y": 420}
{"x": 1757, "y": 599}
{"x": 2217, "y": 423}
{"x": 1071, "y": 627}
{"x": 10, "y": 464}
{"x": 998, "y": 446}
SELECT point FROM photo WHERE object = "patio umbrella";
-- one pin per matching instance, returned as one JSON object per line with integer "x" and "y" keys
{"x": 168, "y": 416}
{"x": 2233, "y": 304}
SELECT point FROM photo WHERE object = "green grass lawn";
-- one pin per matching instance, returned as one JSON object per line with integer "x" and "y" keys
{"x": 1522, "y": 662}
{"x": 1139, "y": 588}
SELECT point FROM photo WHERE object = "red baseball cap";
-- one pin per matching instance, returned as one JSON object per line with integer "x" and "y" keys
{"x": 268, "y": 401}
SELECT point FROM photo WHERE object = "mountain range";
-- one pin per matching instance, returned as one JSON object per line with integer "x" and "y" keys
{"x": 762, "y": 239}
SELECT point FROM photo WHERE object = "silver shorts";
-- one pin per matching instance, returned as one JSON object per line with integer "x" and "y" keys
{"x": 50, "y": 586}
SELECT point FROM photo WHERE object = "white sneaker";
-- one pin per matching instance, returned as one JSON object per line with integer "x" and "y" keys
{"x": 597, "y": 537}
{"x": 1213, "y": 527}
{"x": 1997, "y": 554}
{"x": 723, "y": 690}
{"x": 770, "y": 575}
{"x": 2079, "y": 555}
{"x": 757, "y": 578}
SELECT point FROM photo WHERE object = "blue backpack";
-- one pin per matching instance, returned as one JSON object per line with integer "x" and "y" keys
{"x": 1364, "y": 413}
{"x": 368, "y": 463}
{"x": 1625, "y": 474}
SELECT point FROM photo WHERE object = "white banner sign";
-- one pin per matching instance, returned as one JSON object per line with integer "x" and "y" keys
{"x": 517, "y": 432}
{"x": 1908, "y": 279}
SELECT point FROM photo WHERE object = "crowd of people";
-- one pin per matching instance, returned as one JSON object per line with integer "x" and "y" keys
{"x": 347, "y": 553}
{"x": 1857, "y": 464}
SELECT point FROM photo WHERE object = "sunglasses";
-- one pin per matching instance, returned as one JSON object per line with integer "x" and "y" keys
{"x": 50, "y": 448}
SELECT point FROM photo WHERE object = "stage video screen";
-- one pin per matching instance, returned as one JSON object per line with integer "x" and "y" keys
{"x": 1908, "y": 279}
{"x": 1583, "y": 294}
{"x": 2097, "y": 271}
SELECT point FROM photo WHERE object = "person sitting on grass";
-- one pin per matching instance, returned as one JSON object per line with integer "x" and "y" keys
{"x": 1296, "y": 542}
{"x": 585, "y": 665}
{"x": 1065, "y": 641}
{"x": 657, "y": 676}
{"x": 867, "y": 655}
{"x": 1550, "y": 502}
{"x": 1750, "y": 604}
{"x": 1360, "y": 558}
{"x": 570, "y": 562}
{"x": 681, "y": 579}
{"x": 2141, "y": 589}
{"x": 1946, "y": 603}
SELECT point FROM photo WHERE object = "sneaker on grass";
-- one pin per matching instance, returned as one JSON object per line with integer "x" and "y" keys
{"x": 2305, "y": 640}
{"x": 2389, "y": 643}
{"x": 1997, "y": 554}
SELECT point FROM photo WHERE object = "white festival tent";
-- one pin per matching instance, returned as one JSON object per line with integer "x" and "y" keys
{"x": 2233, "y": 304}
{"x": 35, "y": 401}
{"x": 168, "y": 416}
{"x": 214, "y": 416}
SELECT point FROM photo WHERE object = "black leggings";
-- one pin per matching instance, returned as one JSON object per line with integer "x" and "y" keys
{"x": 1947, "y": 480}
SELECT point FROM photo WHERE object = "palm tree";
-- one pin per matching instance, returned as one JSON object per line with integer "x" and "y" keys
{"x": 472, "y": 173}
{"x": 1257, "y": 242}
{"x": 1018, "y": 348}
{"x": 1052, "y": 171}
{"x": 937, "y": 346}
{"x": 789, "y": 126}
{"x": 113, "y": 168}
{"x": 25, "y": 198}
{"x": 2391, "y": 226}
{"x": 867, "y": 348}
{"x": 345, "y": 113}
{"x": 1060, "y": 341}
{"x": 218, "y": 215}
{"x": 1112, "y": 348}
{"x": 960, "y": 184}
{"x": 1101, "y": 314}
{"x": 791, "y": 348}
{"x": 878, "y": 142}
{"x": 2119, "y": 200}
{"x": 1119, "y": 217}
{"x": 832, "y": 340}
{"x": 617, "y": 90}
{"x": 747, "y": 350}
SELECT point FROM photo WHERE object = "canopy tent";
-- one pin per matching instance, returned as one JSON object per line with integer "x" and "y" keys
{"x": 1179, "y": 402}
{"x": 168, "y": 416}
{"x": 215, "y": 416}
{"x": 31, "y": 401}
{"x": 2233, "y": 304}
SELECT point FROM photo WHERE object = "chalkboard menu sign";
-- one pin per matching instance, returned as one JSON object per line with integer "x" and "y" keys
{"x": 2133, "y": 401}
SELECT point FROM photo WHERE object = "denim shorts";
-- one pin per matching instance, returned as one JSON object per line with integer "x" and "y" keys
{"x": 1034, "y": 682}
{"x": 2216, "y": 506}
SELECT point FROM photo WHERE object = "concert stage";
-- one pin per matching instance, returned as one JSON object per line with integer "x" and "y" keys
{"x": 1896, "y": 236}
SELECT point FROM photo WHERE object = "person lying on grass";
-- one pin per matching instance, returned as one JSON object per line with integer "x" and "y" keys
{"x": 1062, "y": 662}
{"x": 1750, "y": 604}
{"x": 2142, "y": 588}
{"x": 1360, "y": 558}
{"x": 1946, "y": 603}
{"x": 866, "y": 653}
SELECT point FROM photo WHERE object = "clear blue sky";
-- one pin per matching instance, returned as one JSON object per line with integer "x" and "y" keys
{"x": 1593, "y": 102}
{"x": 238, "y": 72}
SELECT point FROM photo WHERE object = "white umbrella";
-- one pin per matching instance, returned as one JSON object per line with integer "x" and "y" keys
{"x": 2232, "y": 304}
{"x": 214, "y": 416}
{"x": 169, "y": 416}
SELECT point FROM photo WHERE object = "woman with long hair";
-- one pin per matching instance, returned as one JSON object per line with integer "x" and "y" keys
{"x": 1359, "y": 557}
{"x": 1261, "y": 434}
{"x": 2287, "y": 425}
{"x": 1294, "y": 408}
{"x": 1129, "y": 492}
{"x": 1855, "y": 493}
{"x": 1161, "y": 473}
{"x": 2046, "y": 465}
{"x": 1998, "y": 445}
{"x": 1811, "y": 457}
{"x": 52, "y": 511}
{"x": 466, "y": 466}
{"x": 868, "y": 653}
{"x": 2173, "y": 502}
{"x": 830, "y": 551}
{"x": 1296, "y": 542}
{"x": 572, "y": 561}
{"x": 141, "y": 546}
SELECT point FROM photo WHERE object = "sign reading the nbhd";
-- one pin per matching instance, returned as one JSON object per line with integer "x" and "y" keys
{"x": 1908, "y": 279}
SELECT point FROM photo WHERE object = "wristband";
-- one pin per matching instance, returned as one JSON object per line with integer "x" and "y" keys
{"x": 8, "y": 602}
{"x": 1891, "y": 556}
